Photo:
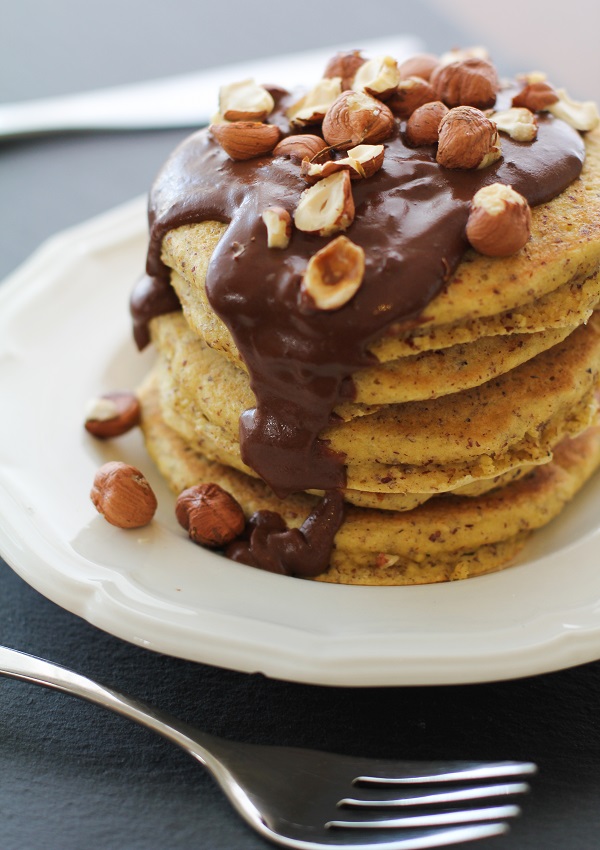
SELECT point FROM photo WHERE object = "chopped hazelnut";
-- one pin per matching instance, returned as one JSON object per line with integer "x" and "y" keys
{"x": 362, "y": 161}
{"x": 112, "y": 415}
{"x": 536, "y": 96}
{"x": 245, "y": 101}
{"x": 517, "y": 122}
{"x": 377, "y": 77}
{"x": 581, "y": 115}
{"x": 327, "y": 207}
{"x": 334, "y": 274}
{"x": 311, "y": 108}
{"x": 345, "y": 66}
{"x": 278, "y": 222}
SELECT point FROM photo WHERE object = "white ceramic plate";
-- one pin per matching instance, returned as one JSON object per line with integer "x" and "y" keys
{"x": 65, "y": 336}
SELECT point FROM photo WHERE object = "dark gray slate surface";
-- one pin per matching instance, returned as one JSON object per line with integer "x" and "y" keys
{"x": 73, "y": 776}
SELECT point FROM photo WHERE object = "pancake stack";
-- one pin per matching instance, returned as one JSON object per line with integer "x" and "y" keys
{"x": 465, "y": 424}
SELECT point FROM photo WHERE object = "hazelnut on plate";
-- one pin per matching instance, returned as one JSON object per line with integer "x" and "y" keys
{"x": 112, "y": 414}
{"x": 210, "y": 515}
{"x": 123, "y": 496}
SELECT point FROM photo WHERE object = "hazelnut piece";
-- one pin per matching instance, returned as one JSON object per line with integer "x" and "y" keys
{"x": 334, "y": 274}
{"x": 365, "y": 160}
{"x": 355, "y": 118}
{"x": 467, "y": 139}
{"x": 245, "y": 101}
{"x": 311, "y": 108}
{"x": 518, "y": 122}
{"x": 499, "y": 223}
{"x": 112, "y": 414}
{"x": 344, "y": 65}
{"x": 459, "y": 54}
{"x": 327, "y": 207}
{"x": 422, "y": 128}
{"x": 314, "y": 171}
{"x": 246, "y": 139}
{"x": 278, "y": 222}
{"x": 362, "y": 161}
{"x": 581, "y": 115}
{"x": 377, "y": 77}
{"x": 472, "y": 82}
{"x": 210, "y": 515}
{"x": 301, "y": 147}
{"x": 123, "y": 496}
{"x": 536, "y": 96}
{"x": 411, "y": 93}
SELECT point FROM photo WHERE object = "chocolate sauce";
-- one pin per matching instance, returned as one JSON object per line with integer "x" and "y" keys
{"x": 303, "y": 551}
{"x": 151, "y": 297}
{"x": 410, "y": 219}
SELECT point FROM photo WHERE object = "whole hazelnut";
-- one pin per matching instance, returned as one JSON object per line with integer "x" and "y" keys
{"x": 471, "y": 82}
{"x": 499, "y": 223}
{"x": 210, "y": 515}
{"x": 422, "y": 128}
{"x": 410, "y": 93}
{"x": 123, "y": 496}
{"x": 356, "y": 118}
{"x": 420, "y": 65}
{"x": 112, "y": 414}
{"x": 302, "y": 146}
{"x": 243, "y": 140}
{"x": 467, "y": 139}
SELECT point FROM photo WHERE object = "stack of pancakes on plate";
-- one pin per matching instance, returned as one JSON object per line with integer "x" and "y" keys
{"x": 466, "y": 427}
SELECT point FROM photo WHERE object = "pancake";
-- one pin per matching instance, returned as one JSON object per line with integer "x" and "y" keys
{"x": 557, "y": 264}
{"x": 448, "y": 538}
{"x": 418, "y": 447}
{"x": 449, "y": 400}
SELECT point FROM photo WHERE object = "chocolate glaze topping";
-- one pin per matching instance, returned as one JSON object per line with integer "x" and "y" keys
{"x": 410, "y": 220}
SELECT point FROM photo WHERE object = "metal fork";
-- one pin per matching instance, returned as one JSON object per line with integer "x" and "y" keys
{"x": 312, "y": 800}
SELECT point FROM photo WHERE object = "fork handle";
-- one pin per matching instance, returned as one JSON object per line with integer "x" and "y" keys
{"x": 29, "y": 668}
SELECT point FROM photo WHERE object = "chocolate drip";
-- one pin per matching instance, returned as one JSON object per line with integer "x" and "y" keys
{"x": 151, "y": 297}
{"x": 303, "y": 551}
{"x": 410, "y": 220}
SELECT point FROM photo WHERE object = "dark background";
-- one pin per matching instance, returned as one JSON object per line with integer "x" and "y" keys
{"x": 73, "y": 776}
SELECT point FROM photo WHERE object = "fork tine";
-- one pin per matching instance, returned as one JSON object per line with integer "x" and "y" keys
{"x": 448, "y": 772}
{"x": 417, "y": 840}
{"x": 446, "y": 818}
{"x": 415, "y": 798}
